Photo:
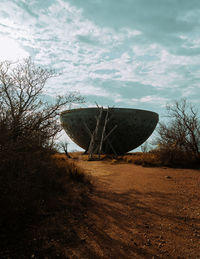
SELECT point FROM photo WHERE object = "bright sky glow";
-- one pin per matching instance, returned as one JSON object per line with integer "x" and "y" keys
{"x": 10, "y": 50}
{"x": 138, "y": 54}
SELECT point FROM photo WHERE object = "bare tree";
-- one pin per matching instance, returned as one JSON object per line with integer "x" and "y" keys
{"x": 23, "y": 109}
{"x": 182, "y": 130}
{"x": 64, "y": 146}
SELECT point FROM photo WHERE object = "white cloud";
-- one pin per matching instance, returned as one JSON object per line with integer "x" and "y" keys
{"x": 153, "y": 100}
{"x": 61, "y": 37}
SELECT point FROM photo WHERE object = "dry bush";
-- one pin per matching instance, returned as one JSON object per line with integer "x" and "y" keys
{"x": 39, "y": 199}
{"x": 144, "y": 159}
{"x": 22, "y": 101}
{"x": 163, "y": 157}
{"x": 177, "y": 158}
{"x": 147, "y": 159}
{"x": 178, "y": 141}
{"x": 36, "y": 192}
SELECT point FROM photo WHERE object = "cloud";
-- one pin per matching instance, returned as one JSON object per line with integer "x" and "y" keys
{"x": 111, "y": 51}
{"x": 154, "y": 99}
{"x": 159, "y": 21}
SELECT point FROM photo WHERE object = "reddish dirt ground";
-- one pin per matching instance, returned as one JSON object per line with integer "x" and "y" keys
{"x": 139, "y": 212}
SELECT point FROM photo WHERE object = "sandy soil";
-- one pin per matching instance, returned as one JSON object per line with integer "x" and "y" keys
{"x": 139, "y": 212}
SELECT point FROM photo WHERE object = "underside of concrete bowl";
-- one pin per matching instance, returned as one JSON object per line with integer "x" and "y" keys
{"x": 131, "y": 127}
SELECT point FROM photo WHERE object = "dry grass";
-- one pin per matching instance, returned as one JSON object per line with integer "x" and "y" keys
{"x": 144, "y": 159}
{"x": 154, "y": 158}
{"x": 41, "y": 199}
{"x": 166, "y": 158}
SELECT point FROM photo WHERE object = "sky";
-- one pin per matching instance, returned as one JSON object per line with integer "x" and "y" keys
{"x": 133, "y": 53}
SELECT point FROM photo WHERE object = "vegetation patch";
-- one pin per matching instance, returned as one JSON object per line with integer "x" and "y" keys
{"x": 40, "y": 202}
{"x": 41, "y": 199}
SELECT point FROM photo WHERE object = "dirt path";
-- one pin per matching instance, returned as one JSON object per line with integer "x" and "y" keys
{"x": 141, "y": 213}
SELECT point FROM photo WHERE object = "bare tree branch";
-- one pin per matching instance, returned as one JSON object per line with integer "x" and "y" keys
{"x": 182, "y": 132}
{"x": 22, "y": 101}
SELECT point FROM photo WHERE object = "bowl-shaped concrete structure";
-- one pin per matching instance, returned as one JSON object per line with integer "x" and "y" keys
{"x": 133, "y": 127}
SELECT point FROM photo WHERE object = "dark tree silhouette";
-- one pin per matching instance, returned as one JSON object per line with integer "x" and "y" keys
{"x": 22, "y": 107}
{"x": 64, "y": 146}
{"x": 181, "y": 133}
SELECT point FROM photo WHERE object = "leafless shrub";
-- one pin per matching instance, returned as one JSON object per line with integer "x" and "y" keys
{"x": 178, "y": 139}
{"x": 177, "y": 142}
{"x": 22, "y": 105}
{"x": 32, "y": 186}
{"x": 64, "y": 146}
